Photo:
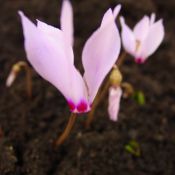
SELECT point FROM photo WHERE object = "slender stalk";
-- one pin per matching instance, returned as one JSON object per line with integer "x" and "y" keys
{"x": 101, "y": 94}
{"x": 121, "y": 59}
{"x": 67, "y": 130}
{"x": 28, "y": 81}
{"x": 97, "y": 100}
{"x": 28, "y": 77}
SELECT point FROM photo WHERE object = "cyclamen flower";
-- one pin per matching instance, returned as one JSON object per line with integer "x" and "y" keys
{"x": 11, "y": 78}
{"x": 115, "y": 94}
{"x": 145, "y": 38}
{"x": 49, "y": 50}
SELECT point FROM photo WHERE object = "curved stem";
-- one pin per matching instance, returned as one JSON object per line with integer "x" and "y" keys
{"x": 67, "y": 130}
{"x": 121, "y": 59}
{"x": 28, "y": 81}
{"x": 97, "y": 100}
{"x": 28, "y": 77}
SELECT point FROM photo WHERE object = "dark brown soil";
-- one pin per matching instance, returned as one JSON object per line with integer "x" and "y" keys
{"x": 29, "y": 127}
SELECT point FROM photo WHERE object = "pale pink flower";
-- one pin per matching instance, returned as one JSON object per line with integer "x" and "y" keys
{"x": 50, "y": 52}
{"x": 145, "y": 38}
{"x": 115, "y": 94}
{"x": 11, "y": 78}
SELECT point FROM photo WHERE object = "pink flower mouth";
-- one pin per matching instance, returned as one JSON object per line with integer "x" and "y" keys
{"x": 71, "y": 105}
{"x": 82, "y": 106}
{"x": 139, "y": 60}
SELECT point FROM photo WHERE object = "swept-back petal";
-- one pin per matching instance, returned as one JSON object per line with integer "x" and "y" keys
{"x": 152, "y": 18}
{"x": 57, "y": 35}
{"x": 128, "y": 38}
{"x": 141, "y": 28}
{"x": 114, "y": 102}
{"x": 153, "y": 39}
{"x": 50, "y": 31}
{"x": 107, "y": 16}
{"x": 48, "y": 57}
{"x": 116, "y": 10}
{"x": 100, "y": 53}
{"x": 66, "y": 21}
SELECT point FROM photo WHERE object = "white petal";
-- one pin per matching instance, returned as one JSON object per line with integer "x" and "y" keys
{"x": 11, "y": 78}
{"x": 128, "y": 38}
{"x": 48, "y": 57}
{"x": 141, "y": 29}
{"x": 100, "y": 53}
{"x": 57, "y": 35}
{"x": 114, "y": 102}
{"x": 116, "y": 10}
{"x": 50, "y": 31}
{"x": 106, "y": 18}
{"x": 152, "y": 18}
{"x": 66, "y": 21}
{"x": 154, "y": 38}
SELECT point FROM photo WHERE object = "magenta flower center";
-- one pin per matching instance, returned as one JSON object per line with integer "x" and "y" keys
{"x": 139, "y": 60}
{"x": 82, "y": 106}
{"x": 71, "y": 106}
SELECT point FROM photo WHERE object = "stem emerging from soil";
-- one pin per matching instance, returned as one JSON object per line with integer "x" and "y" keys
{"x": 67, "y": 130}
{"x": 101, "y": 94}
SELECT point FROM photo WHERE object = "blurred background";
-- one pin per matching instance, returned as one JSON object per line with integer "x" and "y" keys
{"x": 29, "y": 127}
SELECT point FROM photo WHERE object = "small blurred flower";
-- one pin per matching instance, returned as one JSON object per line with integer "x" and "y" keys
{"x": 115, "y": 94}
{"x": 50, "y": 52}
{"x": 11, "y": 77}
{"x": 16, "y": 68}
{"x": 145, "y": 38}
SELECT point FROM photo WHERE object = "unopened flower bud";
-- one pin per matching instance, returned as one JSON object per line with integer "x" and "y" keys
{"x": 115, "y": 77}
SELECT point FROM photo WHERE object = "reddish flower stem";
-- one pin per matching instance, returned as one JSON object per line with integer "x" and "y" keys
{"x": 97, "y": 100}
{"x": 121, "y": 59}
{"x": 67, "y": 130}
